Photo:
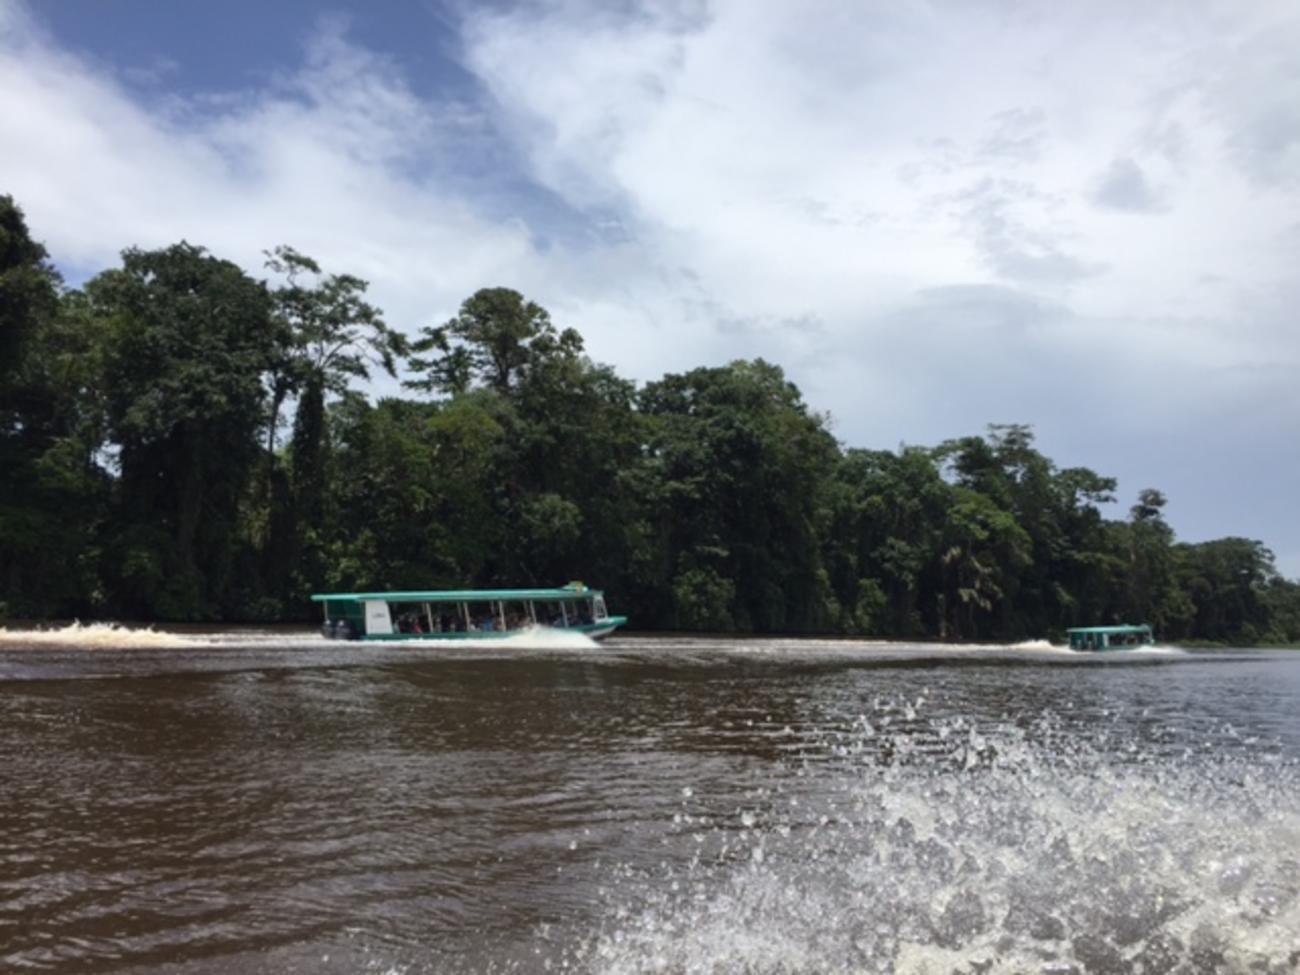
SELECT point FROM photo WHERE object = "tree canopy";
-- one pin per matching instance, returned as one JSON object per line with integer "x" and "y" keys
{"x": 143, "y": 474}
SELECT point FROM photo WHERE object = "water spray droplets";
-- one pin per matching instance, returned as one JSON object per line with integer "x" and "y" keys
{"x": 921, "y": 842}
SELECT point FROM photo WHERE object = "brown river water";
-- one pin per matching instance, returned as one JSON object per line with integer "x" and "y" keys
{"x": 246, "y": 801}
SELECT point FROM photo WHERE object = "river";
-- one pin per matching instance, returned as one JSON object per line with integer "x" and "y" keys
{"x": 253, "y": 801}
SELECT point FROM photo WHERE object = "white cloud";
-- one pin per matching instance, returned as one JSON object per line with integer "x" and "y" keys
{"x": 1124, "y": 186}
{"x": 325, "y": 159}
{"x": 850, "y": 162}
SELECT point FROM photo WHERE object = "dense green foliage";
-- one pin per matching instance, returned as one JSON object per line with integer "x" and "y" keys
{"x": 182, "y": 441}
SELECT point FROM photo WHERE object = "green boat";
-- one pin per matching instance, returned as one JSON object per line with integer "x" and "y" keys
{"x": 1122, "y": 637}
{"x": 464, "y": 614}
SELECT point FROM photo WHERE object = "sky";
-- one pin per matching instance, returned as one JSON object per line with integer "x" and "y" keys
{"x": 933, "y": 214}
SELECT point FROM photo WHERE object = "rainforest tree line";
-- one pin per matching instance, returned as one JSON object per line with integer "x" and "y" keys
{"x": 181, "y": 440}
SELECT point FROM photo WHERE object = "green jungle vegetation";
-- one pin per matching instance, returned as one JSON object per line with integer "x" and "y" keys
{"x": 182, "y": 441}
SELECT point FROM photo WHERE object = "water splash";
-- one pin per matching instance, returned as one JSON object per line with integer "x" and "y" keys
{"x": 1046, "y": 647}
{"x": 1035, "y": 645}
{"x": 538, "y": 638}
{"x": 952, "y": 848}
{"x": 96, "y": 636}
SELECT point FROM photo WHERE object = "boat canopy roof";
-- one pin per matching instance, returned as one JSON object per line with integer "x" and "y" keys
{"x": 571, "y": 591}
{"x": 1122, "y": 628}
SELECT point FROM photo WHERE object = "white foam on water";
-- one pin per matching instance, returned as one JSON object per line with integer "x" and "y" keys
{"x": 870, "y": 649}
{"x": 1036, "y": 645}
{"x": 1047, "y": 648}
{"x": 1156, "y": 650}
{"x": 96, "y": 636}
{"x": 531, "y": 638}
{"x": 1000, "y": 851}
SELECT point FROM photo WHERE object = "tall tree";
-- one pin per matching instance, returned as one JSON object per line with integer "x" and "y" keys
{"x": 883, "y": 539}
{"x": 328, "y": 336}
{"x": 575, "y": 438}
{"x": 740, "y": 464}
{"x": 494, "y": 339}
{"x": 1058, "y": 512}
{"x": 52, "y": 491}
{"x": 1280, "y": 600}
{"x": 983, "y": 547}
{"x": 1082, "y": 571}
{"x": 569, "y": 434}
{"x": 188, "y": 342}
{"x": 1226, "y": 582}
{"x": 28, "y": 286}
{"x": 1149, "y": 591}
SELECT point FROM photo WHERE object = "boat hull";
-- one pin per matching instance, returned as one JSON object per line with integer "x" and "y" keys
{"x": 596, "y": 631}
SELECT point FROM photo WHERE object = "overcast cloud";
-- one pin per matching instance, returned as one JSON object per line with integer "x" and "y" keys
{"x": 933, "y": 215}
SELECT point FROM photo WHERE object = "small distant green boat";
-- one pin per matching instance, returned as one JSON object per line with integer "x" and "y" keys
{"x": 464, "y": 614}
{"x": 1122, "y": 637}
